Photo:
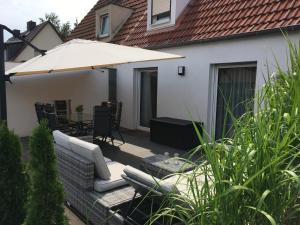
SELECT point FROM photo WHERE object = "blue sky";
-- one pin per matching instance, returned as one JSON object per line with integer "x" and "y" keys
{"x": 15, "y": 13}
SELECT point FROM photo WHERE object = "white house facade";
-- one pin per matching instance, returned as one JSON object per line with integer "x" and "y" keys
{"x": 229, "y": 47}
{"x": 193, "y": 96}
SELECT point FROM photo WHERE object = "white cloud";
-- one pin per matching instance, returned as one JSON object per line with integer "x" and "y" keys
{"x": 15, "y": 13}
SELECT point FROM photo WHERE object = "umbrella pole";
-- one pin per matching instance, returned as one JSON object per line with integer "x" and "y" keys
{"x": 3, "y": 77}
{"x": 3, "y": 109}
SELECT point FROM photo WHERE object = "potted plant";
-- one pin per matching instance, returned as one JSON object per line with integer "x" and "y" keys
{"x": 79, "y": 110}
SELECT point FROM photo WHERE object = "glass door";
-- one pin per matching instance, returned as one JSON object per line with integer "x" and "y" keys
{"x": 236, "y": 86}
{"x": 147, "y": 98}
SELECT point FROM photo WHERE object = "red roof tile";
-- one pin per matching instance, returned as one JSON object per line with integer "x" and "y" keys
{"x": 202, "y": 19}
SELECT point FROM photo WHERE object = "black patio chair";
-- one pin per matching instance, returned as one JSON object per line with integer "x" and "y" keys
{"x": 102, "y": 128}
{"x": 40, "y": 111}
{"x": 52, "y": 121}
{"x": 117, "y": 120}
{"x": 49, "y": 108}
{"x": 61, "y": 107}
{"x": 54, "y": 124}
{"x": 112, "y": 106}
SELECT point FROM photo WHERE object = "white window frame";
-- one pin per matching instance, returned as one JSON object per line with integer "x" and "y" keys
{"x": 101, "y": 24}
{"x": 213, "y": 87}
{"x": 161, "y": 21}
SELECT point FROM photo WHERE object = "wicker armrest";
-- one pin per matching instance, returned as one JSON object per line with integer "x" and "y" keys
{"x": 75, "y": 169}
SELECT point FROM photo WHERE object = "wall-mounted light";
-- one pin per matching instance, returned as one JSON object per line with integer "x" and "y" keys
{"x": 181, "y": 70}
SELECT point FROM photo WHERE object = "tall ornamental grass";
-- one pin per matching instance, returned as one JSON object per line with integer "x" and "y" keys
{"x": 253, "y": 177}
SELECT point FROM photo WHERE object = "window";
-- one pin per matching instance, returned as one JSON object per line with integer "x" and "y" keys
{"x": 104, "y": 25}
{"x": 235, "y": 92}
{"x": 161, "y": 11}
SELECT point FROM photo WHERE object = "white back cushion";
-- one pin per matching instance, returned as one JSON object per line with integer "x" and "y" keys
{"x": 93, "y": 153}
{"x": 61, "y": 139}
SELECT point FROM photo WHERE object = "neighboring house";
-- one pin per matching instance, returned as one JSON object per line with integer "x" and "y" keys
{"x": 44, "y": 36}
{"x": 227, "y": 46}
{"x": 22, "y": 94}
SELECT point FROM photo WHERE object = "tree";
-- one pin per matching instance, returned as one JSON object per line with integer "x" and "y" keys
{"x": 63, "y": 29}
{"x": 13, "y": 179}
{"x": 52, "y": 18}
{"x": 45, "y": 205}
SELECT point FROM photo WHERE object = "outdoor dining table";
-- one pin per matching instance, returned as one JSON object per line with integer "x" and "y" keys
{"x": 79, "y": 120}
{"x": 79, "y": 117}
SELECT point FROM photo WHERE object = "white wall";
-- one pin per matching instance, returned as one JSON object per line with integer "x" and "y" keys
{"x": 87, "y": 88}
{"x": 180, "y": 96}
{"x": 45, "y": 40}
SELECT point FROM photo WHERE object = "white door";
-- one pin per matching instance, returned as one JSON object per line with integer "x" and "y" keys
{"x": 147, "y": 98}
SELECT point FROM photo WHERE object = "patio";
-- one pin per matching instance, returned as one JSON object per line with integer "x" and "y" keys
{"x": 103, "y": 121}
{"x": 137, "y": 147}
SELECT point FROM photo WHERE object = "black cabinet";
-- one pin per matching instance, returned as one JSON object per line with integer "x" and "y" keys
{"x": 175, "y": 133}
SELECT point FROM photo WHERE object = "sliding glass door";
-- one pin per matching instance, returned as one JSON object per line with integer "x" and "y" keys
{"x": 147, "y": 97}
{"x": 236, "y": 86}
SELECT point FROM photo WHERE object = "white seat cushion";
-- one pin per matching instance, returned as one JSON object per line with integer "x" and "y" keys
{"x": 61, "y": 139}
{"x": 116, "y": 169}
{"x": 93, "y": 153}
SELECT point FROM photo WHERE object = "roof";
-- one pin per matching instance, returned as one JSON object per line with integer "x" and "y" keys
{"x": 29, "y": 36}
{"x": 201, "y": 20}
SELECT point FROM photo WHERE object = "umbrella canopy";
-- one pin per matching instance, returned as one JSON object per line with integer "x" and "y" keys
{"x": 80, "y": 54}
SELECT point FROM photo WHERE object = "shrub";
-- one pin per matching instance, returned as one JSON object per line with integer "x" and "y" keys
{"x": 254, "y": 177}
{"x": 45, "y": 206}
{"x": 13, "y": 182}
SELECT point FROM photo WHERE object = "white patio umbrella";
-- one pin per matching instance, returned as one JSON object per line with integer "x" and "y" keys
{"x": 80, "y": 54}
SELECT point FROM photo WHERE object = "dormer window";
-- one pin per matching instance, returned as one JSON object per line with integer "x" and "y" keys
{"x": 161, "y": 11}
{"x": 164, "y": 13}
{"x": 109, "y": 20}
{"x": 104, "y": 25}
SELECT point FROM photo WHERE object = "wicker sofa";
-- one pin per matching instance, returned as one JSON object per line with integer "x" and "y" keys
{"x": 79, "y": 174}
